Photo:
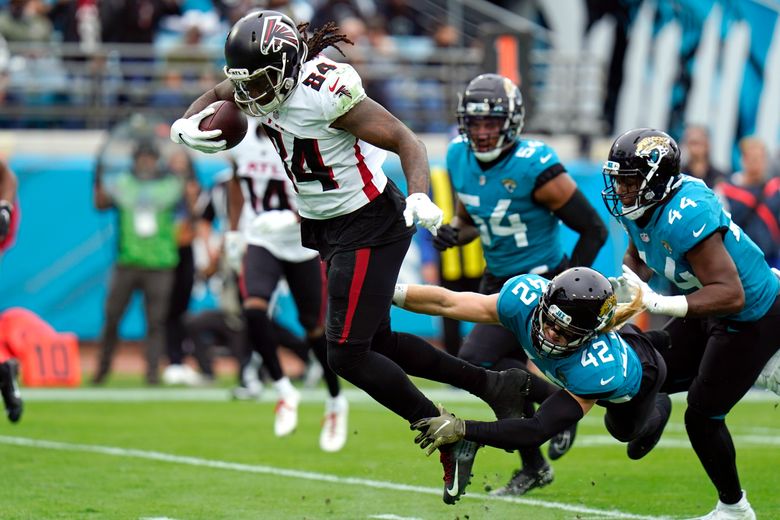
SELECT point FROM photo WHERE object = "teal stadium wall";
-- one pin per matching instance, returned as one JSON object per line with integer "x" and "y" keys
{"x": 60, "y": 264}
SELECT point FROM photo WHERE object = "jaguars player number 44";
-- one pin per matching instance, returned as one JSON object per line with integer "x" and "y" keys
{"x": 724, "y": 331}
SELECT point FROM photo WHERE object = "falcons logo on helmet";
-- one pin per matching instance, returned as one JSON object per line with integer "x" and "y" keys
{"x": 277, "y": 32}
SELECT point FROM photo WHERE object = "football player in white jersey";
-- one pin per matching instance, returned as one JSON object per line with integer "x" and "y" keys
{"x": 332, "y": 139}
{"x": 266, "y": 201}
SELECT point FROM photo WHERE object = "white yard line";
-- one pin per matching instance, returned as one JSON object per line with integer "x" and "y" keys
{"x": 394, "y": 517}
{"x": 306, "y": 475}
{"x": 308, "y": 394}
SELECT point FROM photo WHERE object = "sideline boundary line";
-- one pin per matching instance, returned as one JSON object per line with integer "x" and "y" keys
{"x": 307, "y": 475}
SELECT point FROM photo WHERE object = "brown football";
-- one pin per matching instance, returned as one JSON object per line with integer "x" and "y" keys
{"x": 228, "y": 118}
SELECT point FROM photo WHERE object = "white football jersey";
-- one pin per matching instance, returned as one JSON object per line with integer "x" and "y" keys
{"x": 266, "y": 188}
{"x": 334, "y": 172}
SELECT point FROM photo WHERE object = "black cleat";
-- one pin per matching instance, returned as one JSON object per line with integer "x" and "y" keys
{"x": 525, "y": 480}
{"x": 457, "y": 460}
{"x": 9, "y": 388}
{"x": 561, "y": 443}
{"x": 641, "y": 446}
{"x": 506, "y": 392}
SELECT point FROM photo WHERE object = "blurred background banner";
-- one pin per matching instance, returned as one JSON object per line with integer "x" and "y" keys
{"x": 61, "y": 262}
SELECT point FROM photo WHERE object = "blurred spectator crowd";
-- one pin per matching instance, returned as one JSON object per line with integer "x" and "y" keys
{"x": 88, "y": 63}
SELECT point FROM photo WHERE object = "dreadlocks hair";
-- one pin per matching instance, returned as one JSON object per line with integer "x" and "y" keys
{"x": 324, "y": 37}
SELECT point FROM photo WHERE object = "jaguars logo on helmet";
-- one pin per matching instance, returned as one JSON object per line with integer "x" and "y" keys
{"x": 654, "y": 148}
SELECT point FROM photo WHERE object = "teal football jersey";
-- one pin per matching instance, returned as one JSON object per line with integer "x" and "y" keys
{"x": 692, "y": 214}
{"x": 518, "y": 235}
{"x": 606, "y": 368}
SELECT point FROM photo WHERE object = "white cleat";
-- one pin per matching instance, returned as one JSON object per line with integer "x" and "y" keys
{"x": 769, "y": 377}
{"x": 739, "y": 511}
{"x": 334, "y": 424}
{"x": 286, "y": 413}
{"x": 173, "y": 375}
{"x": 182, "y": 374}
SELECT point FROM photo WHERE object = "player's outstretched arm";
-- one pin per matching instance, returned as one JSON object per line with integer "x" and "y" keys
{"x": 438, "y": 301}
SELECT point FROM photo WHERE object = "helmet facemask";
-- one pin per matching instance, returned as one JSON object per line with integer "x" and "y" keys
{"x": 572, "y": 336}
{"x": 488, "y": 147}
{"x": 637, "y": 186}
{"x": 576, "y": 305}
{"x": 261, "y": 92}
{"x": 490, "y": 98}
{"x": 642, "y": 169}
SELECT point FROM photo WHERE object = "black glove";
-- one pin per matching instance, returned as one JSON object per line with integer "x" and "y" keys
{"x": 446, "y": 237}
{"x": 5, "y": 219}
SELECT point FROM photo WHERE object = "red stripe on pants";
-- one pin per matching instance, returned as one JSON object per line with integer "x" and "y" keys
{"x": 358, "y": 277}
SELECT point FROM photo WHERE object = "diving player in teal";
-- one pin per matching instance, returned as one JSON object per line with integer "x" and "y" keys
{"x": 513, "y": 193}
{"x": 568, "y": 327}
{"x": 726, "y": 326}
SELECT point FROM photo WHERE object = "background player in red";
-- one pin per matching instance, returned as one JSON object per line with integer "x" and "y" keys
{"x": 9, "y": 221}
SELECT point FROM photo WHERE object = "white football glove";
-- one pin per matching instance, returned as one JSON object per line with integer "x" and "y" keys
{"x": 273, "y": 222}
{"x": 654, "y": 302}
{"x": 187, "y": 131}
{"x": 235, "y": 246}
{"x": 624, "y": 291}
{"x": 420, "y": 209}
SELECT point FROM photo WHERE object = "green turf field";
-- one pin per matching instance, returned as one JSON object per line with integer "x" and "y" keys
{"x": 183, "y": 454}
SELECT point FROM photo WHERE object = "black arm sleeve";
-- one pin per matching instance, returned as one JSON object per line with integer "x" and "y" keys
{"x": 556, "y": 413}
{"x": 579, "y": 215}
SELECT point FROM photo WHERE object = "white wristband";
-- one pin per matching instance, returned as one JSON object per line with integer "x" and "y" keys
{"x": 676, "y": 306}
{"x": 399, "y": 296}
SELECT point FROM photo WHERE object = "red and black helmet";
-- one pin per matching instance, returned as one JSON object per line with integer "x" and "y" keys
{"x": 264, "y": 53}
